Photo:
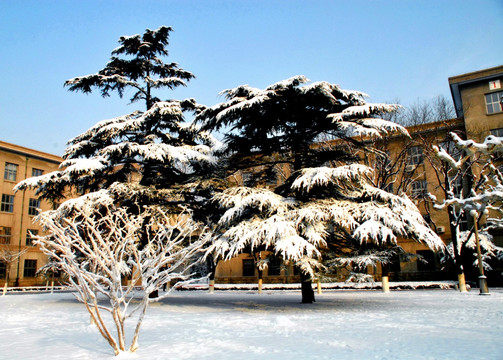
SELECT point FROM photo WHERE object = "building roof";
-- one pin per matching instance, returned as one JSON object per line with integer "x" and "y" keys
{"x": 455, "y": 82}
{"x": 32, "y": 153}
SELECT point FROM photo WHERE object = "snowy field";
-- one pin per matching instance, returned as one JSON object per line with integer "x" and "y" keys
{"x": 240, "y": 325}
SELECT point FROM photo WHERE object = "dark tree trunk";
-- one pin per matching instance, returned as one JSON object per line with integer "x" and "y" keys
{"x": 458, "y": 261}
{"x": 307, "y": 289}
{"x": 212, "y": 267}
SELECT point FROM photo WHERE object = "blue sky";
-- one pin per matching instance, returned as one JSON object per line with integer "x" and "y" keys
{"x": 390, "y": 50}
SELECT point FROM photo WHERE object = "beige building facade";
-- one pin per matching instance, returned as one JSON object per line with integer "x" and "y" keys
{"x": 17, "y": 212}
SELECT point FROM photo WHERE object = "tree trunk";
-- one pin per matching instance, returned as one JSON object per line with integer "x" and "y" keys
{"x": 458, "y": 264}
{"x": 307, "y": 289}
{"x": 5, "y": 288}
{"x": 385, "y": 277}
{"x": 260, "y": 280}
{"x": 212, "y": 269}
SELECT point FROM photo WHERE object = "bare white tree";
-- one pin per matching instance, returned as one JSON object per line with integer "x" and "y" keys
{"x": 8, "y": 256}
{"x": 477, "y": 162}
{"x": 110, "y": 261}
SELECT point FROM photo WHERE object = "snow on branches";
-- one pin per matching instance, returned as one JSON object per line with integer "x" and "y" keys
{"x": 257, "y": 218}
{"x": 322, "y": 176}
{"x": 338, "y": 110}
{"x": 144, "y": 143}
{"x": 137, "y": 70}
{"x": 487, "y": 187}
{"x": 108, "y": 255}
{"x": 489, "y": 251}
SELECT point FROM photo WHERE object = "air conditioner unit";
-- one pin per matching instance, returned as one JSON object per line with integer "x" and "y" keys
{"x": 409, "y": 168}
{"x": 441, "y": 229}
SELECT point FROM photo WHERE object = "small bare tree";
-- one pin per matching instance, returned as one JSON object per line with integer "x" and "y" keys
{"x": 110, "y": 261}
{"x": 8, "y": 257}
{"x": 476, "y": 161}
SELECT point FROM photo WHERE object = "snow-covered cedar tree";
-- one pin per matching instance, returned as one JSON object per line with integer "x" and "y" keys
{"x": 291, "y": 127}
{"x": 148, "y": 157}
{"x": 476, "y": 162}
{"x": 99, "y": 250}
{"x": 154, "y": 147}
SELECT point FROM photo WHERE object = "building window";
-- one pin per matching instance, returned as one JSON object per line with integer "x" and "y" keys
{"x": 248, "y": 267}
{"x": 497, "y": 132}
{"x": 5, "y": 235}
{"x": 274, "y": 267}
{"x": 427, "y": 263}
{"x": 3, "y": 270}
{"x": 493, "y": 102}
{"x": 33, "y": 206}
{"x": 10, "y": 172}
{"x": 37, "y": 172}
{"x": 394, "y": 264}
{"x": 30, "y": 268}
{"x": 7, "y": 204}
{"x": 30, "y": 236}
{"x": 419, "y": 188}
{"x": 415, "y": 155}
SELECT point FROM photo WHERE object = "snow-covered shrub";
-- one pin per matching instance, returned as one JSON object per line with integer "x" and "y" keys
{"x": 359, "y": 278}
{"x": 115, "y": 264}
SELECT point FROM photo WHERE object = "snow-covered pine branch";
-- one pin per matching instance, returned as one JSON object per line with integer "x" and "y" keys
{"x": 261, "y": 219}
{"x": 141, "y": 69}
{"x": 342, "y": 176}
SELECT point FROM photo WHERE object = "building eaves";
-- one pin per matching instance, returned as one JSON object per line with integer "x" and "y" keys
{"x": 31, "y": 153}
{"x": 455, "y": 82}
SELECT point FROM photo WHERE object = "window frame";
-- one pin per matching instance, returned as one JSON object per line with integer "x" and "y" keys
{"x": 36, "y": 172}
{"x": 7, "y": 203}
{"x": 429, "y": 256}
{"x": 5, "y": 235}
{"x": 10, "y": 174}
{"x": 248, "y": 268}
{"x": 498, "y": 132}
{"x": 29, "y": 239}
{"x": 3, "y": 270}
{"x": 420, "y": 190}
{"x": 493, "y": 104}
{"x": 33, "y": 206}
{"x": 274, "y": 268}
{"x": 30, "y": 268}
{"x": 416, "y": 155}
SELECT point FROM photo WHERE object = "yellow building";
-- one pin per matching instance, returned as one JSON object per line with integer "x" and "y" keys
{"x": 17, "y": 211}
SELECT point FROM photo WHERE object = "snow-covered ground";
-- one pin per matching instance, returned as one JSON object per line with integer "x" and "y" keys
{"x": 240, "y": 325}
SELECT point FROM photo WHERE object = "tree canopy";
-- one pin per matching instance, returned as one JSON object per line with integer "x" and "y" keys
{"x": 326, "y": 202}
